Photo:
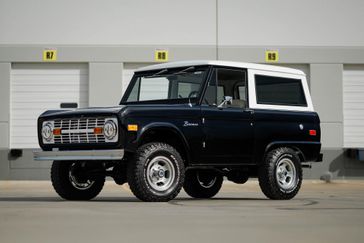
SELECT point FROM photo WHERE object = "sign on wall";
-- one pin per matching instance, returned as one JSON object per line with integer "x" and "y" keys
{"x": 161, "y": 55}
{"x": 271, "y": 56}
{"x": 50, "y": 55}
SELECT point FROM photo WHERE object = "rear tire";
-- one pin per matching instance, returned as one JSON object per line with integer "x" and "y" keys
{"x": 71, "y": 187}
{"x": 280, "y": 175}
{"x": 202, "y": 183}
{"x": 156, "y": 174}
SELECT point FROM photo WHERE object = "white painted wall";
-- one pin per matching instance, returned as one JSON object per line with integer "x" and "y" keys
{"x": 115, "y": 22}
{"x": 291, "y": 22}
{"x": 105, "y": 84}
{"x": 187, "y": 22}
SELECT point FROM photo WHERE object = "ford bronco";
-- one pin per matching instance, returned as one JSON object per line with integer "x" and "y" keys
{"x": 188, "y": 124}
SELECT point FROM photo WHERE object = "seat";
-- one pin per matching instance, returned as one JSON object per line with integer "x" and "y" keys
{"x": 238, "y": 103}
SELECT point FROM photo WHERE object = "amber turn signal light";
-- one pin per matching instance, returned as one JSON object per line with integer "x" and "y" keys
{"x": 312, "y": 132}
{"x": 132, "y": 127}
{"x": 57, "y": 131}
{"x": 98, "y": 130}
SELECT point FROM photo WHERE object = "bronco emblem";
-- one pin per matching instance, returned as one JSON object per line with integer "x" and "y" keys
{"x": 190, "y": 124}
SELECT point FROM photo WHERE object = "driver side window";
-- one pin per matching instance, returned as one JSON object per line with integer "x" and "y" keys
{"x": 227, "y": 82}
{"x": 188, "y": 90}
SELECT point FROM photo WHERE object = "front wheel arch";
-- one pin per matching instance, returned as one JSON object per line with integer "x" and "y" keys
{"x": 168, "y": 134}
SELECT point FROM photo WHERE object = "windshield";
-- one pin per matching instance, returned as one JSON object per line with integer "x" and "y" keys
{"x": 180, "y": 85}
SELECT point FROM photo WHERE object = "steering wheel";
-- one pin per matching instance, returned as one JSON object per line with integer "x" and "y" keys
{"x": 193, "y": 93}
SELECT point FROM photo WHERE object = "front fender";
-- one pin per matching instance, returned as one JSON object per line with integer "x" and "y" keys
{"x": 160, "y": 126}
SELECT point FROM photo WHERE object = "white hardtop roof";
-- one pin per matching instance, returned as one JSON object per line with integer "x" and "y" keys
{"x": 223, "y": 64}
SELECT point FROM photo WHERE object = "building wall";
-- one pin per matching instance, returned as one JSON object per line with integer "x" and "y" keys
{"x": 110, "y": 22}
{"x": 290, "y": 23}
{"x": 105, "y": 84}
{"x": 188, "y": 22}
{"x": 112, "y": 35}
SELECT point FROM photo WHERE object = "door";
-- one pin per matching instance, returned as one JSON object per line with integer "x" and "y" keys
{"x": 353, "y": 97}
{"x": 227, "y": 128}
{"x": 36, "y": 88}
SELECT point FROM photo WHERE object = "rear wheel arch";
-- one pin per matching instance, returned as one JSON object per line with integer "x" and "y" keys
{"x": 275, "y": 145}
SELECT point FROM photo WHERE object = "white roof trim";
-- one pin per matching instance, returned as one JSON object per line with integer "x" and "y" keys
{"x": 223, "y": 64}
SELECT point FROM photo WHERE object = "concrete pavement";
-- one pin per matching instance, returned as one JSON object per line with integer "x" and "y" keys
{"x": 32, "y": 212}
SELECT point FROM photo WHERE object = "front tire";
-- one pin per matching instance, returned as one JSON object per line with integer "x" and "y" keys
{"x": 70, "y": 186}
{"x": 202, "y": 183}
{"x": 156, "y": 174}
{"x": 280, "y": 175}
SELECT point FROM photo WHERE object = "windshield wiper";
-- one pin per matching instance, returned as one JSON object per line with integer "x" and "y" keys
{"x": 157, "y": 74}
{"x": 184, "y": 70}
{"x": 166, "y": 70}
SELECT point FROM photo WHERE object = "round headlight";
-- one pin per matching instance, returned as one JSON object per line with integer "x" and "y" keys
{"x": 47, "y": 131}
{"x": 110, "y": 129}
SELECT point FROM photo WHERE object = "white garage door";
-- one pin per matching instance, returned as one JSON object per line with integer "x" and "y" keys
{"x": 36, "y": 88}
{"x": 353, "y": 88}
{"x": 128, "y": 72}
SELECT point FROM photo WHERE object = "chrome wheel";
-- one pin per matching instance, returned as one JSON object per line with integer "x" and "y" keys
{"x": 160, "y": 173}
{"x": 81, "y": 185}
{"x": 286, "y": 175}
{"x": 206, "y": 181}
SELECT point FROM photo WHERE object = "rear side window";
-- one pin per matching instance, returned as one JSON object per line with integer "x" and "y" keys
{"x": 279, "y": 91}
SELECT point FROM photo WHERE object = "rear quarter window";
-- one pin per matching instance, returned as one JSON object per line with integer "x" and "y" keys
{"x": 279, "y": 91}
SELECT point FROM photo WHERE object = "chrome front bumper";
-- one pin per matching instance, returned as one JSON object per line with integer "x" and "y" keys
{"x": 114, "y": 154}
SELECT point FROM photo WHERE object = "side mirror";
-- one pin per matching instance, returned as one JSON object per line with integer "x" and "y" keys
{"x": 227, "y": 101}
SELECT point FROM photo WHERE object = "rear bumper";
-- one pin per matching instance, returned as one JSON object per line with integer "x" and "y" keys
{"x": 113, "y": 154}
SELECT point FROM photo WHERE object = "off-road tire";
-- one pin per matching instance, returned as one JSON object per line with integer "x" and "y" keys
{"x": 268, "y": 181}
{"x": 194, "y": 188}
{"x": 63, "y": 186}
{"x": 137, "y": 172}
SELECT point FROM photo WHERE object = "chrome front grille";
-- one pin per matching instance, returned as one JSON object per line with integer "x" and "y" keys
{"x": 79, "y": 130}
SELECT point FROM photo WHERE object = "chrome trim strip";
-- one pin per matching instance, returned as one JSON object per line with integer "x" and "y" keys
{"x": 76, "y": 131}
{"x": 113, "y": 154}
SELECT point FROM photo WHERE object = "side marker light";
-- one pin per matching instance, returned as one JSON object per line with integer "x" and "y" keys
{"x": 312, "y": 132}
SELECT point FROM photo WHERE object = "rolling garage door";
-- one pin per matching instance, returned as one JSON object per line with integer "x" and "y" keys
{"x": 353, "y": 97}
{"x": 39, "y": 87}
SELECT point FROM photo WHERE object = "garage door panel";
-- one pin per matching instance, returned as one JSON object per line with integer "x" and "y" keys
{"x": 45, "y": 76}
{"x": 353, "y": 104}
{"x": 69, "y": 98}
{"x": 44, "y": 99}
{"x": 355, "y": 89}
{"x": 42, "y": 89}
{"x": 355, "y": 97}
{"x": 36, "y": 88}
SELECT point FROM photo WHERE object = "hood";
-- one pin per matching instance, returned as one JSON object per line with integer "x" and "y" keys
{"x": 83, "y": 112}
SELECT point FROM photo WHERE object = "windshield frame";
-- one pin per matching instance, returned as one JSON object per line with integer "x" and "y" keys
{"x": 194, "y": 100}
